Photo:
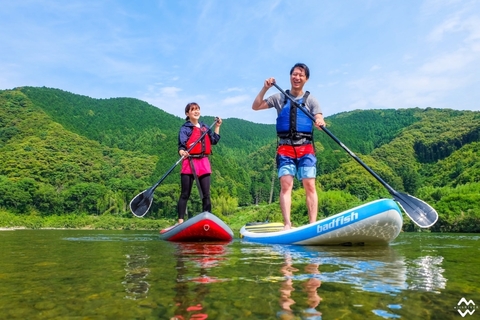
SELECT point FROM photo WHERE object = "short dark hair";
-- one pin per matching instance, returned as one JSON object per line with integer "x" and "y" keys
{"x": 301, "y": 66}
{"x": 189, "y": 106}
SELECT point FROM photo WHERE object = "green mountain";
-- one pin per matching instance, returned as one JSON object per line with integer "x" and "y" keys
{"x": 66, "y": 153}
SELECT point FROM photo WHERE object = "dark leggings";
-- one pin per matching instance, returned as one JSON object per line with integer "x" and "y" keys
{"x": 187, "y": 181}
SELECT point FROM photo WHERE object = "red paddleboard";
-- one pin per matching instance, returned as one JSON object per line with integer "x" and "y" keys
{"x": 202, "y": 227}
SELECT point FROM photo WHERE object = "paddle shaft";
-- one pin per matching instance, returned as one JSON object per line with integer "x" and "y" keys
{"x": 301, "y": 107}
{"x": 419, "y": 211}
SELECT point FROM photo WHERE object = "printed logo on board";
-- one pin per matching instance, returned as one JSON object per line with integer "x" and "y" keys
{"x": 338, "y": 222}
{"x": 465, "y": 307}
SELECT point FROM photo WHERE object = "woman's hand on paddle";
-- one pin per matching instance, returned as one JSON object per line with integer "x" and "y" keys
{"x": 217, "y": 125}
{"x": 183, "y": 153}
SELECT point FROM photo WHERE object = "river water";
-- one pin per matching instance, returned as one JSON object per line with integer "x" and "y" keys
{"x": 80, "y": 274}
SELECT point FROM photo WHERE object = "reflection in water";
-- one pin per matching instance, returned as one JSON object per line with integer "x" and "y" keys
{"x": 309, "y": 286}
{"x": 194, "y": 260}
{"x": 371, "y": 269}
{"x": 43, "y": 276}
{"x": 427, "y": 274}
{"x": 374, "y": 269}
{"x": 136, "y": 267}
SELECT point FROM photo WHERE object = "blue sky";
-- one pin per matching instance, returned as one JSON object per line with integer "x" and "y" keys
{"x": 362, "y": 54}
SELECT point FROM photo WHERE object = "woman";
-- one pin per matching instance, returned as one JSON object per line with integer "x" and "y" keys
{"x": 195, "y": 165}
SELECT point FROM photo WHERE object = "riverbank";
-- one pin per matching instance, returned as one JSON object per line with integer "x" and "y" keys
{"x": 14, "y": 221}
{"x": 10, "y": 221}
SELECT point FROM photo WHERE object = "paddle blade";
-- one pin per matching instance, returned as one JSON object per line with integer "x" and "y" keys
{"x": 141, "y": 203}
{"x": 419, "y": 211}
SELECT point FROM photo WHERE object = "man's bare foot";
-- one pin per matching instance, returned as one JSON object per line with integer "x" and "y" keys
{"x": 287, "y": 227}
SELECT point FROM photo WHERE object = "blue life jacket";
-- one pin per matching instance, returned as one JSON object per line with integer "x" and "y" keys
{"x": 293, "y": 123}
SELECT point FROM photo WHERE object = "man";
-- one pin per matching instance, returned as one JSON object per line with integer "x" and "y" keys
{"x": 295, "y": 152}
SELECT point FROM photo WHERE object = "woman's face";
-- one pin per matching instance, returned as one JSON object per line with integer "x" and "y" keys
{"x": 193, "y": 113}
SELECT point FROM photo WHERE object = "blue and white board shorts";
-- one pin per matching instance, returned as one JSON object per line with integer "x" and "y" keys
{"x": 303, "y": 167}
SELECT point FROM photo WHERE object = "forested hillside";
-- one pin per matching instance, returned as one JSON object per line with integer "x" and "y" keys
{"x": 62, "y": 153}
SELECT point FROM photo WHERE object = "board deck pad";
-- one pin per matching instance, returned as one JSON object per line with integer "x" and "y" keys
{"x": 265, "y": 227}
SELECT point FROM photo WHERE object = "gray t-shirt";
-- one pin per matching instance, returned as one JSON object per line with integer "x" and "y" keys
{"x": 277, "y": 101}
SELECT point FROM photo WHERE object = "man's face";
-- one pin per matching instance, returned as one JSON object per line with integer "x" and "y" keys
{"x": 298, "y": 78}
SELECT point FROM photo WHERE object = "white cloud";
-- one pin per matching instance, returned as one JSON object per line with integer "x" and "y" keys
{"x": 170, "y": 92}
{"x": 232, "y": 90}
{"x": 446, "y": 27}
{"x": 236, "y": 100}
{"x": 449, "y": 62}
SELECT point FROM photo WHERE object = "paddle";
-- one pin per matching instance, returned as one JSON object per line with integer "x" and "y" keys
{"x": 141, "y": 203}
{"x": 419, "y": 211}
